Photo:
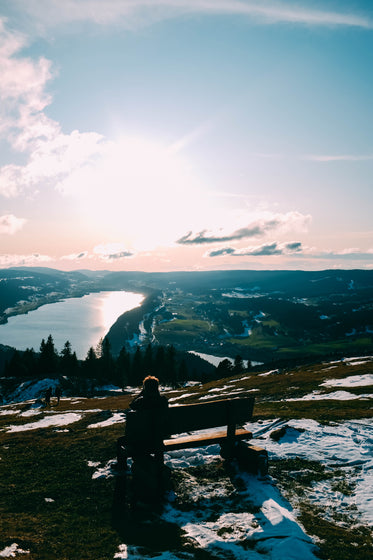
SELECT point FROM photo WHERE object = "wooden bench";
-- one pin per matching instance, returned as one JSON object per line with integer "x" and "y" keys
{"x": 149, "y": 434}
{"x": 171, "y": 429}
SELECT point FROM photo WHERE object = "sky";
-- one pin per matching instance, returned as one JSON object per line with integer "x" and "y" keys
{"x": 162, "y": 135}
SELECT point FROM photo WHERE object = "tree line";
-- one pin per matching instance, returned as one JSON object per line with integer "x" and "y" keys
{"x": 172, "y": 367}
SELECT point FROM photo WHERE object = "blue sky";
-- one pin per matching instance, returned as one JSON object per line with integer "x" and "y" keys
{"x": 199, "y": 134}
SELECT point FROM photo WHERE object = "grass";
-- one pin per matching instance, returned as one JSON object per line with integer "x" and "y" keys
{"x": 339, "y": 538}
{"x": 86, "y": 521}
{"x": 180, "y": 330}
{"x": 40, "y": 465}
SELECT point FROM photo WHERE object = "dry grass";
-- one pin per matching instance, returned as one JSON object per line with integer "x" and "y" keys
{"x": 80, "y": 522}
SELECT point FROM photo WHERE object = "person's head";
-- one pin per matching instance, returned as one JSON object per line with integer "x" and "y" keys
{"x": 150, "y": 385}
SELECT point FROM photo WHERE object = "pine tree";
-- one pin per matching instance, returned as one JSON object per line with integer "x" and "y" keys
{"x": 30, "y": 361}
{"x": 106, "y": 362}
{"x": 123, "y": 365}
{"x": 48, "y": 357}
{"x": 159, "y": 363}
{"x": 137, "y": 373}
{"x": 148, "y": 360}
{"x": 15, "y": 367}
{"x": 183, "y": 371}
{"x": 238, "y": 366}
{"x": 224, "y": 369}
{"x": 170, "y": 369}
{"x": 68, "y": 360}
{"x": 90, "y": 364}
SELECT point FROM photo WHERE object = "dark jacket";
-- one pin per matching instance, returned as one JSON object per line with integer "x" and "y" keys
{"x": 151, "y": 401}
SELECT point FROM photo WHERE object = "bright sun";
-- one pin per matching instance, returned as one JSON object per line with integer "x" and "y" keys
{"x": 140, "y": 190}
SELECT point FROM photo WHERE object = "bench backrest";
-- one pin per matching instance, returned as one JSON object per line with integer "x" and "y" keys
{"x": 143, "y": 425}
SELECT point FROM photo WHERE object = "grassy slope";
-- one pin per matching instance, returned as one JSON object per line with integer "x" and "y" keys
{"x": 82, "y": 521}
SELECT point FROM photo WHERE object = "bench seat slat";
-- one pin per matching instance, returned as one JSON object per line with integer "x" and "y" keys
{"x": 199, "y": 440}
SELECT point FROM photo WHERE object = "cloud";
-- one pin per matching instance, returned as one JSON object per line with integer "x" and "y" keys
{"x": 76, "y": 256}
{"x": 284, "y": 222}
{"x": 136, "y": 13}
{"x": 112, "y": 251}
{"x": 23, "y": 260}
{"x": 22, "y": 86}
{"x": 10, "y": 224}
{"x": 267, "y": 249}
{"x": 345, "y": 157}
{"x": 294, "y": 248}
{"x": 52, "y": 155}
{"x": 345, "y": 254}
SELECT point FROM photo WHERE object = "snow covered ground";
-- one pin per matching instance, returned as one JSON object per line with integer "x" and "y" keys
{"x": 344, "y": 446}
{"x": 228, "y": 520}
{"x": 243, "y": 516}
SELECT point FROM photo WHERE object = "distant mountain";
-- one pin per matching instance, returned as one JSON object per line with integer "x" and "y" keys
{"x": 261, "y": 315}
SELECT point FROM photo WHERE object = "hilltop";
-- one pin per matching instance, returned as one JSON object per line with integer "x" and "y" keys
{"x": 263, "y": 316}
{"x": 62, "y": 498}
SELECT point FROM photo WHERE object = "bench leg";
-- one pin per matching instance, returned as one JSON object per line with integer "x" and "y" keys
{"x": 252, "y": 458}
{"x": 227, "y": 450}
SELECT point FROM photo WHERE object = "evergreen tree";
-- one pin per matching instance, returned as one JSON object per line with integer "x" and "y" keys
{"x": 224, "y": 369}
{"x": 159, "y": 363}
{"x": 170, "y": 374}
{"x": 15, "y": 367}
{"x": 123, "y": 367}
{"x": 148, "y": 360}
{"x": 98, "y": 349}
{"x": 68, "y": 360}
{"x": 48, "y": 357}
{"x": 137, "y": 373}
{"x": 106, "y": 362}
{"x": 183, "y": 371}
{"x": 90, "y": 364}
{"x": 238, "y": 365}
{"x": 30, "y": 361}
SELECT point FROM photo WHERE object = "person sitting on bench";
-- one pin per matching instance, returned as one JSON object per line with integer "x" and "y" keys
{"x": 149, "y": 399}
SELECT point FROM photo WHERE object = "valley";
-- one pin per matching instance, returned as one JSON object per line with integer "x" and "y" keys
{"x": 262, "y": 316}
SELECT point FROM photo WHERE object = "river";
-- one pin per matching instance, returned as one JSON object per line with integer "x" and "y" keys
{"x": 82, "y": 321}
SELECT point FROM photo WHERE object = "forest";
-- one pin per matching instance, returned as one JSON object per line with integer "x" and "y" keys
{"x": 100, "y": 367}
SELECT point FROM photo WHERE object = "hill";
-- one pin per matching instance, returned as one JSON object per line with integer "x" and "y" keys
{"x": 62, "y": 498}
{"x": 263, "y": 316}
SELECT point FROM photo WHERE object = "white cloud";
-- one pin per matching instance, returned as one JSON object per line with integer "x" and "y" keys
{"x": 108, "y": 181}
{"x": 112, "y": 251}
{"x": 76, "y": 256}
{"x": 264, "y": 250}
{"x": 23, "y": 260}
{"x": 22, "y": 85}
{"x": 345, "y": 254}
{"x": 52, "y": 155}
{"x": 342, "y": 157}
{"x": 10, "y": 224}
{"x": 291, "y": 221}
{"x": 135, "y": 13}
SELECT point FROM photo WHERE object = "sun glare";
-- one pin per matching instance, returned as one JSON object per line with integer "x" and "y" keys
{"x": 115, "y": 304}
{"x": 139, "y": 191}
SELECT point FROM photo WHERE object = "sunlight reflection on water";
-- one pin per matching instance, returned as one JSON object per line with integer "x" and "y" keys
{"x": 82, "y": 321}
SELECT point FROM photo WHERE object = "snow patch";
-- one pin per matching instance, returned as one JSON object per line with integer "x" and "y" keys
{"x": 12, "y": 551}
{"x": 47, "y": 422}
{"x": 337, "y": 396}
{"x": 351, "y": 381}
{"x": 345, "y": 445}
{"x": 116, "y": 418}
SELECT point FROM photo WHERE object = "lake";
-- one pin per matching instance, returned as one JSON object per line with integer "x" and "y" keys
{"x": 82, "y": 321}
{"x": 215, "y": 360}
